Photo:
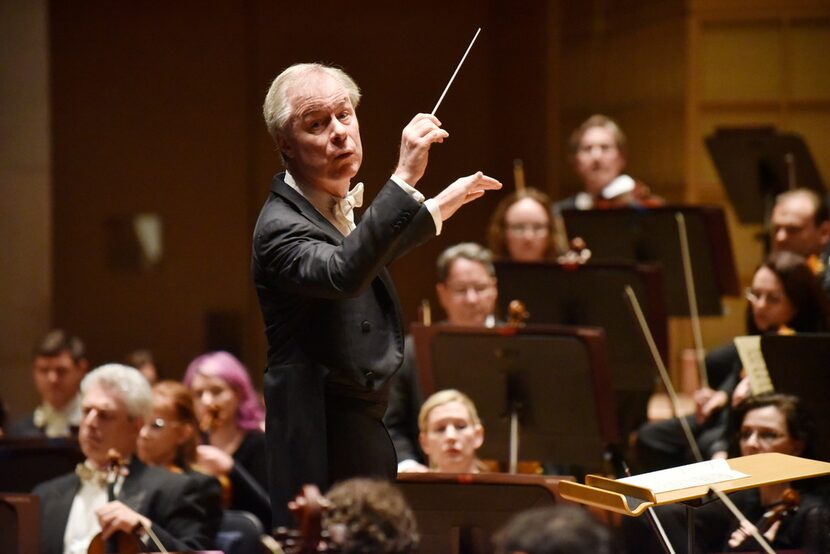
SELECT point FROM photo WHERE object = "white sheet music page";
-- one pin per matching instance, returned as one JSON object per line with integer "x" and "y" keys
{"x": 692, "y": 475}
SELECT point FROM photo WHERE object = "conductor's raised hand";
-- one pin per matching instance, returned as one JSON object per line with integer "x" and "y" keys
{"x": 416, "y": 139}
{"x": 463, "y": 190}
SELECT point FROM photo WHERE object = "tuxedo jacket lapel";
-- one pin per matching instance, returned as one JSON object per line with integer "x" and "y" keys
{"x": 57, "y": 514}
{"x": 281, "y": 189}
{"x": 132, "y": 492}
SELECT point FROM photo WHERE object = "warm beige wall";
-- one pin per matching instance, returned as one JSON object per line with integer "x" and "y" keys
{"x": 25, "y": 219}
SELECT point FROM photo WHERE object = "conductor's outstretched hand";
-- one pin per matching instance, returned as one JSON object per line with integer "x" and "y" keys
{"x": 463, "y": 190}
{"x": 416, "y": 139}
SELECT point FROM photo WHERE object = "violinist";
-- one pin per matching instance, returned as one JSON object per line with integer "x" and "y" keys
{"x": 790, "y": 516}
{"x": 230, "y": 415}
{"x": 169, "y": 439}
{"x": 800, "y": 223}
{"x": 784, "y": 296}
{"x": 521, "y": 227}
{"x": 139, "y": 500}
{"x": 598, "y": 149}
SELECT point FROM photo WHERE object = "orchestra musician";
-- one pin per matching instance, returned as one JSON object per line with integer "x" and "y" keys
{"x": 331, "y": 312}
{"x": 169, "y": 439}
{"x": 598, "y": 150}
{"x": 115, "y": 405}
{"x": 451, "y": 432}
{"x": 521, "y": 227}
{"x": 467, "y": 292}
{"x": 57, "y": 369}
{"x": 230, "y": 414}
{"x": 784, "y": 296}
{"x": 369, "y": 515}
{"x": 789, "y": 515}
{"x": 800, "y": 223}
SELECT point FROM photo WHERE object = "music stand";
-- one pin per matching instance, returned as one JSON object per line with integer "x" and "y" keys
{"x": 541, "y": 379}
{"x": 628, "y": 235}
{"x": 27, "y": 462}
{"x": 756, "y": 164}
{"x": 633, "y": 500}
{"x": 798, "y": 365}
{"x": 461, "y": 512}
{"x": 593, "y": 295}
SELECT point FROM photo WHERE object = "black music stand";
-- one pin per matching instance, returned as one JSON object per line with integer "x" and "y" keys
{"x": 459, "y": 513}
{"x": 800, "y": 365}
{"x": 27, "y": 462}
{"x": 633, "y": 235}
{"x": 553, "y": 380}
{"x": 756, "y": 164}
{"x": 593, "y": 295}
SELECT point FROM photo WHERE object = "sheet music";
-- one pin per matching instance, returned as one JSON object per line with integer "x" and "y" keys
{"x": 749, "y": 349}
{"x": 692, "y": 475}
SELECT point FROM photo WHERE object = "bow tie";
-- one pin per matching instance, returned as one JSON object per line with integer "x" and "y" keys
{"x": 90, "y": 475}
{"x": 354, "y": 199}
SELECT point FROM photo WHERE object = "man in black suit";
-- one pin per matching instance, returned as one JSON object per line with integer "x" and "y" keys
{"x": 331, "y": 312}
{"x": 75, "y": 507}
{"x": 59, "y": 365}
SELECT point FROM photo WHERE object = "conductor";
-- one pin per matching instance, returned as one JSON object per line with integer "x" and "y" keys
{"x": 331, "y": 312}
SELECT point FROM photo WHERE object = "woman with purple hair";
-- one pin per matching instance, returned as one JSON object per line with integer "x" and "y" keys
{"x": 231, "y": 415}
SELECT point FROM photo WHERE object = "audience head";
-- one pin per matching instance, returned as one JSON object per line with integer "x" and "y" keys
{"x": 466, "y": 285}
{"x": 450, "y": 432}
{"x": 800, "y": 223}
{"x": 59, "y": 365}
{"x": 775, "y": 423}
{"x": 220, "y": 382}
{"x": 116, "y": 400}
{"x": 142, "y": 359}
{"x": 784, "y": 292}
{"x": 170, "y": 435}
{"x": 554, "y": 530}
{"x": 521, "y": 227}
{"x": 598, "y": 150}
{"x": 370, "y": 516}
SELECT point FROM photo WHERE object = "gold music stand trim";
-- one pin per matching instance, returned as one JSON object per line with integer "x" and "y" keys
{"x": 633, "y": 500}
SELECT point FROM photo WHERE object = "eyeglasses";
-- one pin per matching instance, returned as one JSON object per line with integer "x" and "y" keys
{"x": 158, "y": 424}
{"x": 535, "y": 229}
{"x": 756, "y": 296}
{"x": 765, "y": 437}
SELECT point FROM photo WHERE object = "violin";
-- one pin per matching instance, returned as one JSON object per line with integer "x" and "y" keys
{"x": 120, "y": 541}
{"x": 309, "y": 537}
{"x": 789, "y": 504}
{"x": 577, "y": 254}
{"x": 517, "y": 314}
{"x": 638, "y": 197}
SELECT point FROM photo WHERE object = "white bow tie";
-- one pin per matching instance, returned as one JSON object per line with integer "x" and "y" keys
{"x": 353, "y": 199}
{"x": 344, "y": 208}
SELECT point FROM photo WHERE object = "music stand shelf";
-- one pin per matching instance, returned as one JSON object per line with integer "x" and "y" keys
{"x": 762, "y": 469}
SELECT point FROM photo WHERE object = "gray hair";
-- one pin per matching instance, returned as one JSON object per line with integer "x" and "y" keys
{"x": 468, "y": 251}
{"x": 277, "y": 110}
{"x": 125, "y": 381}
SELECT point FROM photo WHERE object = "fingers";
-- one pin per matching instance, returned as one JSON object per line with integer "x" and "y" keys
{"x": 115, "y": 516}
